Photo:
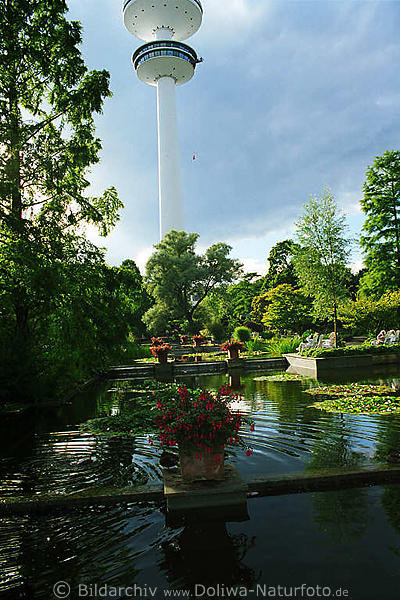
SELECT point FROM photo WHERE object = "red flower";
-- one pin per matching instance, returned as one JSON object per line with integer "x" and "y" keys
{"x": 249, "y": 452}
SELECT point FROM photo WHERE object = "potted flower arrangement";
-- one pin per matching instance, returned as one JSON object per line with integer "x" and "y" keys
{"x": 160, "y": 350}
{"x": 198, "y": 340}
{"x": 201, "y": 424}
{"x": 184, "y": 339}
{"x": 233, "y": 348}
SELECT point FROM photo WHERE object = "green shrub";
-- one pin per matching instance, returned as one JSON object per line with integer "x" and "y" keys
{"x": 256, "y": 345}
{"x": 243, "y": 334}
{"x": 352, "y": 350}
{"x": 278, "y": 347}
{"x": 217, "y": 331}
{"x": 133, "y": 351}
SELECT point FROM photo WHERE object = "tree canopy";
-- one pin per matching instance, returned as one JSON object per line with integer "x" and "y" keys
{"x": 55, "y": 287}
{"x": 285, "y": 308}
{"x": 281, "y": 267}
{"x": 320, "y": 262}
{"x": 179, "y": 279}
{"x": 381, "y": 231}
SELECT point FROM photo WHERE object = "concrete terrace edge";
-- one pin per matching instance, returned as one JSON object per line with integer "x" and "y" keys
{"x": 319, "y": 366}
{"x": 318, "y": 481}
{"x": 172, "y": 368}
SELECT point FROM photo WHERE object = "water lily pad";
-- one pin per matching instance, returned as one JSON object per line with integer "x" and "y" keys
{"x": 280, "y": 377}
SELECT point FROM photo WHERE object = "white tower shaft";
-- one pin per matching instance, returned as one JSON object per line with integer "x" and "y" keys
{"x": 165, "y": 62}
{"x": 169, "y": 172}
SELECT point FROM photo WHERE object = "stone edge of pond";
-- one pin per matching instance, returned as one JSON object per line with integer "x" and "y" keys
{"x": 205, "y": 367}
{"x": 321, "y": 365}
{"x": 318, "y": 481}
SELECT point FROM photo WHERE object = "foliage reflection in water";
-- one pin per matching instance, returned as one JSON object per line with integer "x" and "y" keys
{"x": 347, "y": 539}
{"x": 49, "y": 455}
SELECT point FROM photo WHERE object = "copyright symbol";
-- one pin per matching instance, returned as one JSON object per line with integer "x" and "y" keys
{"x": 61, "y": 590}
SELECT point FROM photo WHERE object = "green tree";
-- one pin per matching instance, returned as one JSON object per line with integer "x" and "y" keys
{"x": 48, "y": 142}
{"x": 320, "y": 262}
{"x": 180, "y": 280}
{"x": 381, "y": 238}
{"x": 133, "y": 294}
{"x": 241, "y": 296}
{"x": 286, "y": 308}
{"x": 361, "y": 316}
{"x": 281, "y": 268}
{"x": 48, "y": 98}
{"x": 369, "y": 316}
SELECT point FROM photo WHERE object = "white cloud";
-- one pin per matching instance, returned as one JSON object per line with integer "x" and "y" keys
{"x": 357, "y": 266}
{"x": 253, "y": 265}
{"x": 388, "y": 101}
{"x": 227, "y": 18}
{"x": 350, "y": 202}
{"x": 142, "y": 257}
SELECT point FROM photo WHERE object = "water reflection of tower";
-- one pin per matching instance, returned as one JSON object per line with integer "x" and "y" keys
{"x": 165, "y": 62}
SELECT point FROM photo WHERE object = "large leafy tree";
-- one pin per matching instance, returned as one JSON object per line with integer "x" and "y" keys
{"x": 134, "y": 295}
{"x": 48, "y": 142}
{"x": 320, "y": 262}
{"x": 287, "y": 309}
{"x": 180, "y": 280}
{"x": 47, "y": 101}
{"x": 281, "y": 268}
{"x": 368, "y": 315}
{"x": 283, "y": 308}
{"x": 230, "y": 306}
{"x": 381, "y": 230}
{"x": 241, "y": 296}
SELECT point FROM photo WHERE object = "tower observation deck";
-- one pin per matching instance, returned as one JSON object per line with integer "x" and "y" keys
{"x": 165, "y": 62}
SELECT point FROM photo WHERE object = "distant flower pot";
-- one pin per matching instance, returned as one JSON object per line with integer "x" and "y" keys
{"x": 161, "y": 352}
{"x": 198, "y": 340}
{"x": 233, "y": 347}
{"x": 208, "y": 466}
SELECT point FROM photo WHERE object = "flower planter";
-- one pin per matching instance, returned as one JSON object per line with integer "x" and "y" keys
{"x": 201, "y": 423}
{"x": 164, "y": 369}
{"x": 233, "y": 353}
{"x": 209, "y": 467}
{"x": 235, "y": 363}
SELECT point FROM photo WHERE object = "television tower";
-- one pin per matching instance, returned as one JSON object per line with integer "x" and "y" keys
{"x": 165, "y": 62}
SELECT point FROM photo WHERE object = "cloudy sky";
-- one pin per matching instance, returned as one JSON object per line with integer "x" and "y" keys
{"x": 292, "y": 95}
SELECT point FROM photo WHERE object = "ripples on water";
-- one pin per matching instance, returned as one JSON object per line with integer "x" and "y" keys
{"x": 67, "y": 462}
{"x": 348, "y": 539}
{"x": 289, "y": 437}
{"x": 130, "y": 544}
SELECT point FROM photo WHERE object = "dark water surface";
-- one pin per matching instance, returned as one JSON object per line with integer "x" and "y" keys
{"x": 348, "y": 539}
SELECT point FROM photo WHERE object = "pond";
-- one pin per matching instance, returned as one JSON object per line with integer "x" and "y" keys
{"x": 347, "y": 539}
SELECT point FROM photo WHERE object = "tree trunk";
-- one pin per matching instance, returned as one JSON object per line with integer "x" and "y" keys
{"x": 396, "y": 228}
{"x": 335, "y": 322}
{"x": 15, "y": 216}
